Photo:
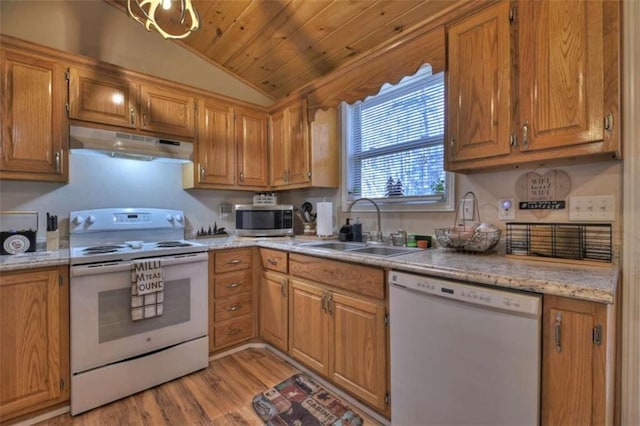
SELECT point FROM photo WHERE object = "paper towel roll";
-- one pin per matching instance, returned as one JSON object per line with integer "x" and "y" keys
{"x": 324, "y": 221}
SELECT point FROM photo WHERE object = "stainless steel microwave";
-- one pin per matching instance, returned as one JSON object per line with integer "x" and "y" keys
{"x": 259, "y": 220}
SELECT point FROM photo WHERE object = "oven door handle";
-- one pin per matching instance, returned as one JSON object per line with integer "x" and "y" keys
{"x": 104, "y": 268}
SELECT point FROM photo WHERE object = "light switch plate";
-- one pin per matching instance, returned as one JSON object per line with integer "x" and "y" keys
{"x": 467, "y": 209}
{"x": 597, "y": 208}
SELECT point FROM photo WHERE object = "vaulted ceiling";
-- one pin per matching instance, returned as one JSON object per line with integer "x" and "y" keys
{"x": 280, "y": 46}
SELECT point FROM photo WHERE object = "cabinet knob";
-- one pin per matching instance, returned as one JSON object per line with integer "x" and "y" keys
{"x": 241, "y": 176}
{"x": 234, "y": 307}
{"x": 202, "y": 172}
{"x": 132, "y": 117}
{"x": 525, "y": 134}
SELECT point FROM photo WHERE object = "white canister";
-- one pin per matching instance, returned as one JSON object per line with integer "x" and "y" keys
{"x": 324, "y": 220}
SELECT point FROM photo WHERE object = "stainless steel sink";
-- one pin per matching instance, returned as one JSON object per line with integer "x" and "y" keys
{"x": 361, "y": 248}
{"x": 385, "y": 251}
{"x": 334, "y": 245}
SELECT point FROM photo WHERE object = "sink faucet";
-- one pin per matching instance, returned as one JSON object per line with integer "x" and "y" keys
{"x": 379, "y": 231}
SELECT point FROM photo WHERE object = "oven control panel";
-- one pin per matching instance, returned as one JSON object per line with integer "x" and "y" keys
{"x": 82, "y": 221}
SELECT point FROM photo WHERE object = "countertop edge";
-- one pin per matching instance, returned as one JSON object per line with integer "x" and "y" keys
{"x": 411, "y": 263}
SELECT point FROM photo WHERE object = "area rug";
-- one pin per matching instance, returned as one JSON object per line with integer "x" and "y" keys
{"x": 301, "y": 401}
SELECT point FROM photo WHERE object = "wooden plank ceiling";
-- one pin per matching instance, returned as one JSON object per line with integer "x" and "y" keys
{"x": 280, "y": 46}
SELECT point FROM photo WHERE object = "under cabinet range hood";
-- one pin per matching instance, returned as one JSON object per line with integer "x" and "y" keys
{"x": 86, "y": 140}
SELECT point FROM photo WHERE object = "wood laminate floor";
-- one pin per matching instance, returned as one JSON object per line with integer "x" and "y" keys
{"x": 218, "y": 395}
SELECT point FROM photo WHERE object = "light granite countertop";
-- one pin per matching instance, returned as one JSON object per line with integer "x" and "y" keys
{"x": 591, "y": 283}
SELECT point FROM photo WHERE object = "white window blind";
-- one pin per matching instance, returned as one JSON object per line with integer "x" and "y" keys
{"x": 395, "y": 148}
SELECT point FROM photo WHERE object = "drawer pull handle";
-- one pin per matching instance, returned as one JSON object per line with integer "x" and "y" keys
{"x": 272, "y": 261}
{"x": 283, "y": 288}
{"x": 232, "y": 285}
{"x": 58, "y": 162}
{"x": 234, "y": 307}
{"x": 132, "y": 116}
{"x": 325, "y": 297}
{"x": 233, "y": 262}
{"x": 558, "y": 332}
{"x": 233, "y": 332}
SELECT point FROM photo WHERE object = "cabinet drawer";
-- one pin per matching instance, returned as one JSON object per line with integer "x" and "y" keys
{"x": 274, "y": 260}
{"x": 233, "y": 260}
{"x": 233, "y": 331}
{"x": 360, "y": 279}
{"x": 233, "y": 306}
{"x": 232, "y": 283}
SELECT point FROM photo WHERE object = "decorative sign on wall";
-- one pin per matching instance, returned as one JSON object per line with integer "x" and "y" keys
{"x": 543, "y": 193}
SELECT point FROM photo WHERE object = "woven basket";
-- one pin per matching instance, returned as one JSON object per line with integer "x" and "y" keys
{"x": 468, "y": 235}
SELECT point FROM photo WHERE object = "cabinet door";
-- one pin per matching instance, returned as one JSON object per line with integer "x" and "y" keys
{"x": 251, "y": 140}
{"x": 34, "y": 331}
{"x": 298, "y": 149}
{"x": 359, "y": 350}
{"x": 278, "y": 156}
{"x": 35, "y": 127}
{"x": 573, "y": 369}
{"x": 167, "y": 111}
{"x": 561, "y": 72}
{"x": 102, "y": 97}
{"x": 215, "y": 145}
{"x": 309, "y": 326}
{"x": 274, "y": 310}
{"x": 479, "y": 89}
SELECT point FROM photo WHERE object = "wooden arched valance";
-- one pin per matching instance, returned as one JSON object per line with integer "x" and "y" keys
{"x": 366, "y": 76}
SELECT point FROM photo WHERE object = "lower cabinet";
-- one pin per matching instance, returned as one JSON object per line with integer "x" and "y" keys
{"x": 577, "y": 362}
{"x": 231, "y": 297}
{"x": 274, "y": 298}
{"x": 34, "y": 336}
{"x": 339, "y": 333}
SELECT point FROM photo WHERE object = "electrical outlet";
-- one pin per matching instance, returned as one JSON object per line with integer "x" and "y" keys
{"x": 506, "y": 208}
{"x": 598, "y": 208}
{"x": 467, "y": 209}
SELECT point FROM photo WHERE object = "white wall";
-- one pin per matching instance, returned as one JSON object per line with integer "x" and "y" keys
{"x": 100, "y": 182}
{"x": 94, "y": 28}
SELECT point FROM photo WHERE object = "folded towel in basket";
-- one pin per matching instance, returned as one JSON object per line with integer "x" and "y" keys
{"x": 147, "y": 289}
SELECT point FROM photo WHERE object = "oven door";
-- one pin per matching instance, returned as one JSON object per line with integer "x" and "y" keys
{"x": 102, "y": 330}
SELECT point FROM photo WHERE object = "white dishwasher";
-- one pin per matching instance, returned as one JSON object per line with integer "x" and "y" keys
{"x": 462, "y": 354}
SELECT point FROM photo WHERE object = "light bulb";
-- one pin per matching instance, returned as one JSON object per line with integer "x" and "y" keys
{"x": 166, "y": 4}
{"x": 506, "y": 204}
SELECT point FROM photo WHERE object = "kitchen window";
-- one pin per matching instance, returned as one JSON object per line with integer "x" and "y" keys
{"x": 394, "y": 150}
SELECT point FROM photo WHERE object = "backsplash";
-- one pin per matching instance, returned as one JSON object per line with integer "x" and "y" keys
{"x": 98, "y": 182}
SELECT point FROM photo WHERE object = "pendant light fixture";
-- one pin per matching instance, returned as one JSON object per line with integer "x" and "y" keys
{"x": 145, "y": 12}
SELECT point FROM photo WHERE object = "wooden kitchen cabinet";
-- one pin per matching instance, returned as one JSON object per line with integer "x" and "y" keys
{"x": 289, "y": 152}
{"x": 337, "y": 324}
{"x": 251, "y": 143}
{"x": 231, "y": 297}
{"x": 166, "y": 110}
{"x": 215, "y": 149}
{"x": 34, "y": 331}
{"x": 102, "y": 97}
{"x": 274, "y": 298}
{"x": 534, "y": 83}
{"x": 577, "y": 362}
{"x": 35, "y": 128}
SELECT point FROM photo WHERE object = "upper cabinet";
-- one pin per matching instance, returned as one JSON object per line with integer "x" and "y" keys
{"x": 104, "y": 97}
{"x": 35, "y": 130}
{"x": 167, "y": 111}
{"x": 251, "y": 143}
{"x": 533, "y": 82}
{"x": 303, "y": 152}
{"x": 215, "y": 147}
{"x": 289, "y": 152}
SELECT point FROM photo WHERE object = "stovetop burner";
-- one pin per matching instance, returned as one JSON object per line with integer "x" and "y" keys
{"x": 168, "y": 244}
{"x": 112, "y": 248}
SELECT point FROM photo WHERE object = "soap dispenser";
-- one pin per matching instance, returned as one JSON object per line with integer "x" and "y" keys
{"x": 357, "y": 230}
{"x": 346, "y": 232}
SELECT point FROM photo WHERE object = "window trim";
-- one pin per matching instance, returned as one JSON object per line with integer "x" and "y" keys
{"x": 429, "y": 203}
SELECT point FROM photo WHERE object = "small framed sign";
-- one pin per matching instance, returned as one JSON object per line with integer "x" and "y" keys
{"x": 543, "y": 193}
